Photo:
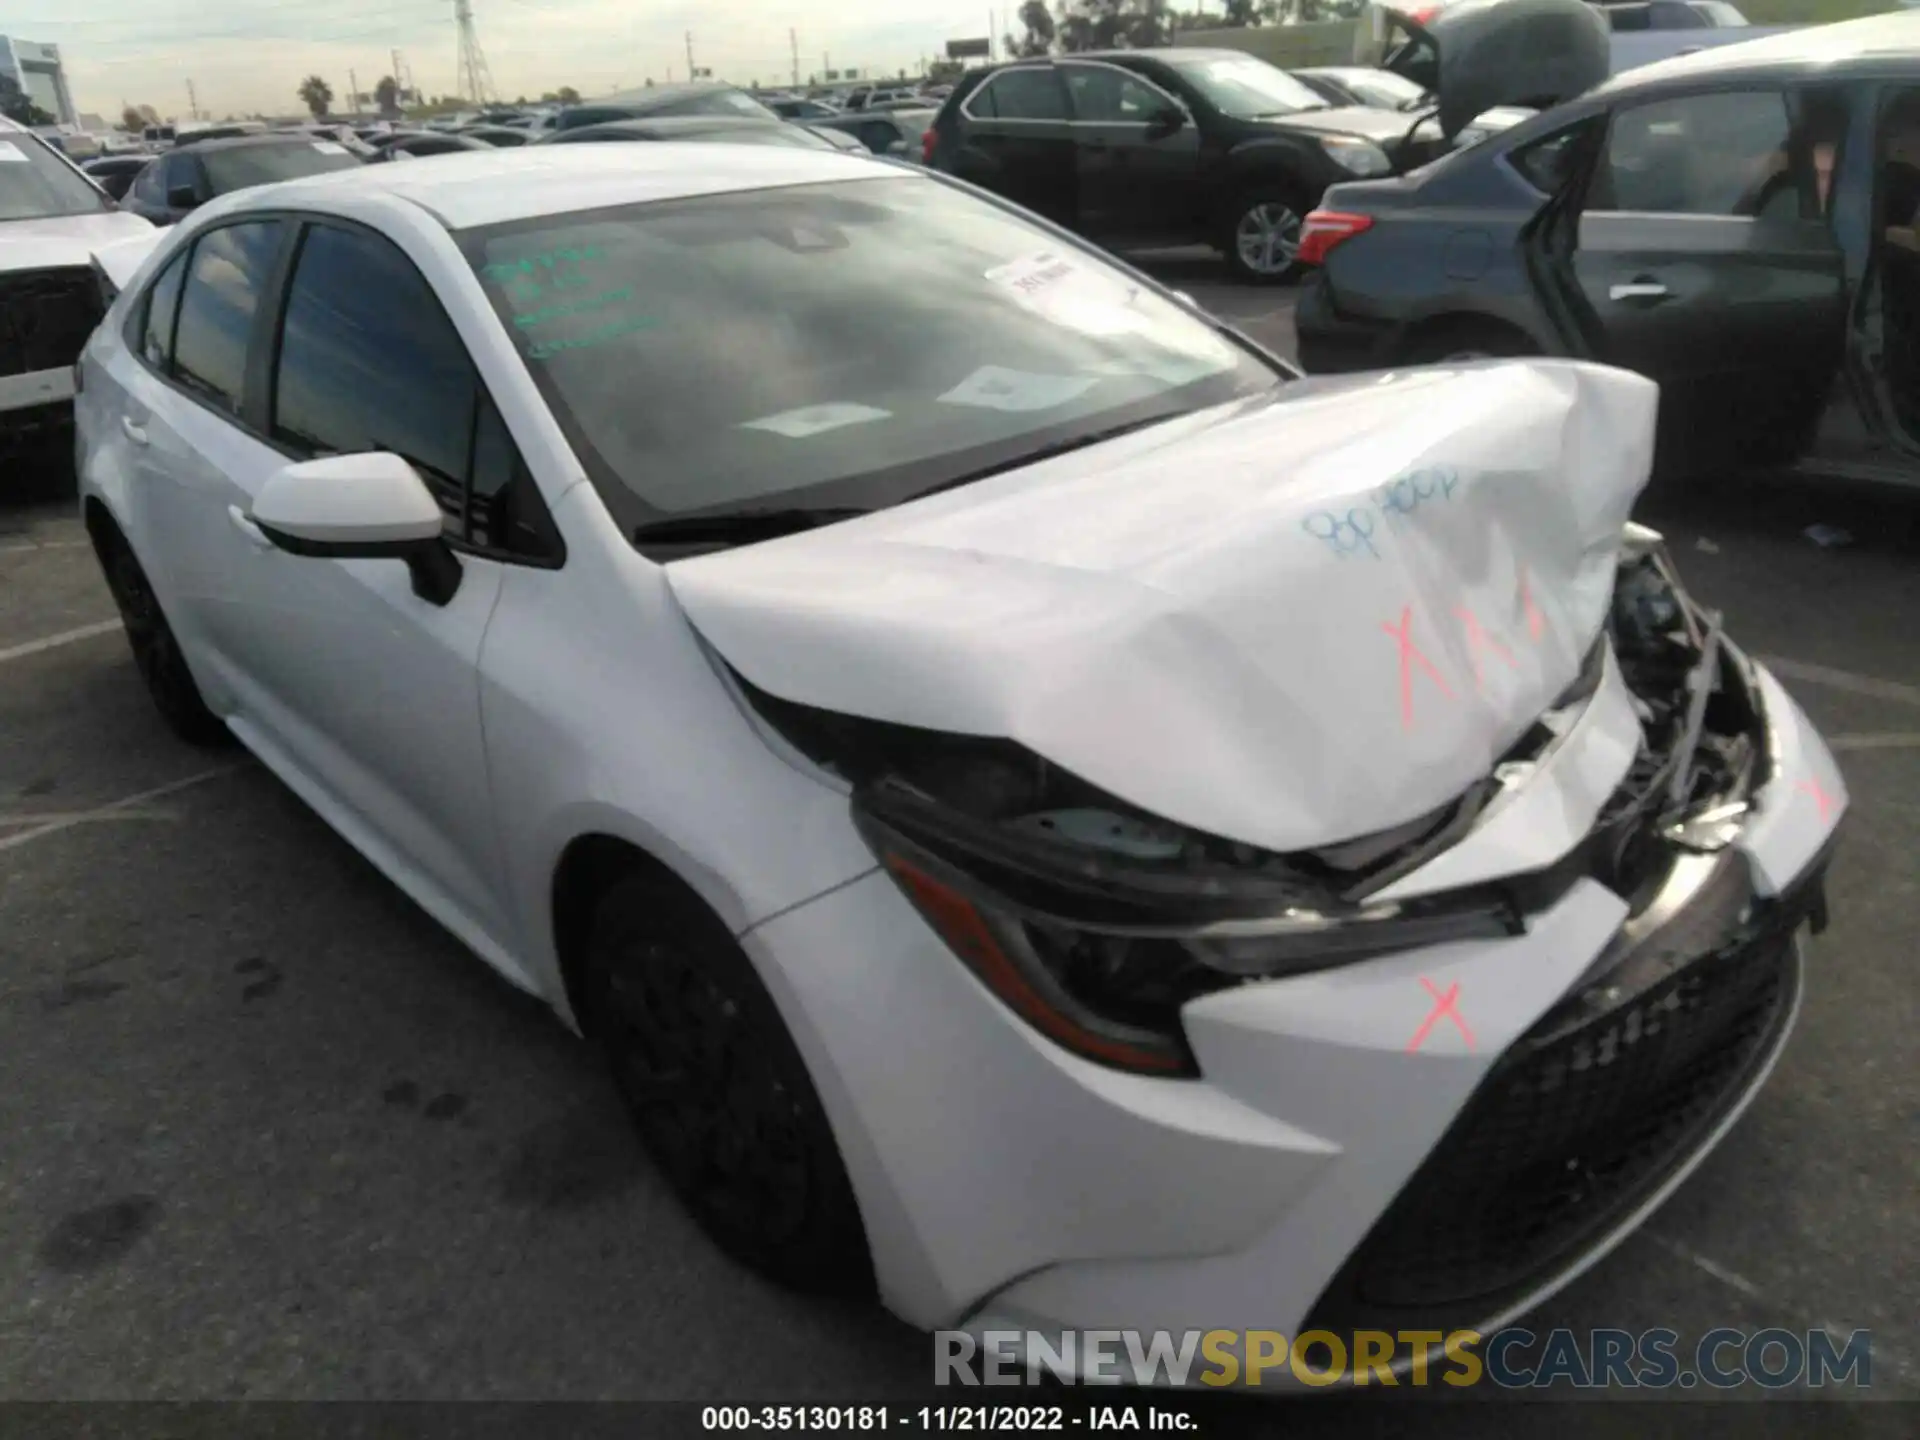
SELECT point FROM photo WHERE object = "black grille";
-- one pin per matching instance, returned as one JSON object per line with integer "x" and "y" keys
{"x": 45, "y": 318}
{"x": 1578, "y": 1123}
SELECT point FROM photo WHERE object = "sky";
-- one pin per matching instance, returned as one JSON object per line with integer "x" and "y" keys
{"x": 250, "y": 55}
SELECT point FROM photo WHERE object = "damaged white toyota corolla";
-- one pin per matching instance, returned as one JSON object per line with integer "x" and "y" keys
{"x": 1047, "y": 812}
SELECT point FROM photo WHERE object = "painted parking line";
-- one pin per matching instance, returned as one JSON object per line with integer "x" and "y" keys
{"x": 116, "y": 810}
{"x": 1832, "y": 679}
{"x": 31, "y": 546}
{"x": 54, "y": 642}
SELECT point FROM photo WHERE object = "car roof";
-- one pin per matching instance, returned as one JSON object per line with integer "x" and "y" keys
{"x": 679, "y": 124}
{"x": 652, "y": 96}
{"x": 489, "y": 187}
{"x": 1837, "y": 46}
{"x": 251, "y": 142}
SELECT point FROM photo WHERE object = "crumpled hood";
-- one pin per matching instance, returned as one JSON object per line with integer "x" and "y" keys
{"x": 63, "y": 240}
{"x": 1287, "y": 624}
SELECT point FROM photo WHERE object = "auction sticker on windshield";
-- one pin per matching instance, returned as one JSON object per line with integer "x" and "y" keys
{"x": 329, "y": 147}
{"x": 9, "y": 153}
{"x": 1052, "y": 286}
{"x": 995, "y": 387}
{"x": 816, "y": 419}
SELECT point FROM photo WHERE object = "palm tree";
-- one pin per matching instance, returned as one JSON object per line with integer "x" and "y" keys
{"x": 316, "y": 95}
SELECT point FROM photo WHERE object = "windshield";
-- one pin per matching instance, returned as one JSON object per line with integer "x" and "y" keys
{"x": 1244, "y": 87}
{"x": 1384, "y": 88}
{"x": 851, "y": 344}
{"x": 246, "y": 165}
{"x": 36, "y": 184}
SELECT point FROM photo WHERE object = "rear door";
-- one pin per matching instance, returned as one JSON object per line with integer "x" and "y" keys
{"x": 1702, "y": 259}
{"x": 1138, "y": 171}
{"x": 1016, "y": 140}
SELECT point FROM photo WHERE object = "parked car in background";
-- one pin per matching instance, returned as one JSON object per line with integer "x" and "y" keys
{"x": 1648, "y": 30}
{"x": 53, "y": 221}
{"x": 868, "y": 96}
{"x": 1190, "y": 146}
{"x": 115, "y": 173}
{"x": 501, "y": 137}
{"x": 194, "y": 172}
{"x": 1385, "y": 90}
{"x": 1737, "y": 224}
{"x": 798, "y": 107}
{"x": 418, "y": 144}
{"x": 707, "y": 129}
{"x": 895, "y": 680}
{"x": 907, "y": 133}
{"x": 701, "y": 97}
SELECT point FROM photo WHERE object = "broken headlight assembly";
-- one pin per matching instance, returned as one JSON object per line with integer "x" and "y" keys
{"x": 1099, "y": 947}
{"x": 1096, "y": 923}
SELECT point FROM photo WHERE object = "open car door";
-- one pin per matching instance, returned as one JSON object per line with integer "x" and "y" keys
{"x": 1691, "y": 248}
{"x": 1479, "y": 55}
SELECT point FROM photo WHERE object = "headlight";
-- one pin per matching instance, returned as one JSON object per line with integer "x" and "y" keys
{"x": 1356, "y": 156}
{"x": 1100, "y": 952}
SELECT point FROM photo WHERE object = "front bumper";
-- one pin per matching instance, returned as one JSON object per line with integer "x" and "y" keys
{"x": 1340, "y": 1160}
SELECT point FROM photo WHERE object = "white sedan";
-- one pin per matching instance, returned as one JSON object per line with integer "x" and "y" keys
{"x": 1049, "y": 813}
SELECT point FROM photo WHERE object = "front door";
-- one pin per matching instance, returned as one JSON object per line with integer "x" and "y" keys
{"x": 1136, "y": 156}
{"x": 1016, "y": 141}
{"x": 1703, "y": 260}
{"x": 363, "y": 696}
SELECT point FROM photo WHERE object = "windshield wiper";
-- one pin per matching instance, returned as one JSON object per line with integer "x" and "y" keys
{"x": 1048, "y": 452}
{"x": 738, "y": 527}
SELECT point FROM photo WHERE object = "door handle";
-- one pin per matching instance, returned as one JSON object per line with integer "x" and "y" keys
{"x": 134, "y": 431}
{"x": 256, "y": 537}
{"x": 1650, "y": 292}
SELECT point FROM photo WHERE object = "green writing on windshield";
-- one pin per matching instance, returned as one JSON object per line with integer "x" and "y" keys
{"x": 506, "y": 272}
{"x": 578, "y": 307}
{"x": 613, "y": 329}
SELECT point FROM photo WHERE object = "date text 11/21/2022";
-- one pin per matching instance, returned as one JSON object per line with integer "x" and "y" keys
{"x": 977, "y": 1418}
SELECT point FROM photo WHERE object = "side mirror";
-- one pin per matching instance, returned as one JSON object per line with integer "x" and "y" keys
{"x": 360, "y": 507}
{"x": 1163, "y": 123}
{"x": 182, "y": 197}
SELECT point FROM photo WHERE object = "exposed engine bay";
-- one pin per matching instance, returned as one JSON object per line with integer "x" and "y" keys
{"x": 1123, "y": 916}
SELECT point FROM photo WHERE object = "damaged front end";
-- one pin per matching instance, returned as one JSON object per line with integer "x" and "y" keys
{"x": 1096, "y": 921}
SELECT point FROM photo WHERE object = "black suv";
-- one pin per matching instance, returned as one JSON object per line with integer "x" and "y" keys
{"x": 1215, "y": 147}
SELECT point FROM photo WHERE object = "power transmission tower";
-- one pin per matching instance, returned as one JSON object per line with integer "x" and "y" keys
{"x": 193, "y": 103}
{"x": 793, "y": 45}
{"x": 476, "y": 81}
{"x": 692, "y": 74}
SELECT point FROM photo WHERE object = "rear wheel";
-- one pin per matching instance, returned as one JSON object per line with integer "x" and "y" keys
{"x": 155, "y": 649}
{"x": 717, "y": 1088}
{"x": 1262, "y": 242}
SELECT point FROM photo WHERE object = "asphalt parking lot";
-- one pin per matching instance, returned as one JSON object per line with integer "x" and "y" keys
{"x": 270, "y": 1134}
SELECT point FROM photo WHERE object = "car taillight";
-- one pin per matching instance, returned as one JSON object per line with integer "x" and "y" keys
{"x": 1325, "y": 229}
{"x": 1420, "y": 15}
{"x": 926, "y": 146}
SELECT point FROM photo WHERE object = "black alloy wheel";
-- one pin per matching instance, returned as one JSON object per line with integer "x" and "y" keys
{"x": 718, "y": 1090}
{"x": 156, "y": 652}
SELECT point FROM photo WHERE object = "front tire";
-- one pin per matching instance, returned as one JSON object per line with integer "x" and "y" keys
{"x": 1262, "y": 240}
{"x": 718, "y": 1090}
{"x": 156, "y": 651}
